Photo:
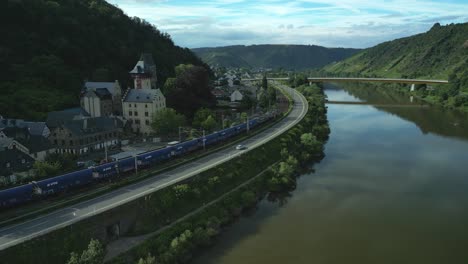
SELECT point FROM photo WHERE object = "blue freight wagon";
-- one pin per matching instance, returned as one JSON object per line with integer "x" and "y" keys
{"x": 64, "y": 182}
{"x": 185, "y": 147}
{"x": 126, "y": 164}
{"x": 105, "y": 170}
{"x": 17, "y": 195}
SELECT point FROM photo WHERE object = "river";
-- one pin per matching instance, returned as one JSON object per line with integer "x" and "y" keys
{"x": 392, "y": 188}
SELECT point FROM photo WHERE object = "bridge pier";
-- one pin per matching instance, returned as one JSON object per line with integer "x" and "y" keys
{"x": 412, "y": 87}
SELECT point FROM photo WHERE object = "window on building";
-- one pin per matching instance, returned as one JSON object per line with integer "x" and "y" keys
{"x": 130, "y": 113}
{"x": 55, "y": 142}
{"x": 23, "y": 161}
{"x": 129, "y": 105}
{"x": 135, "y": 113}
{"x": 146, "y": 114}
{"x": 81, "y": 141}
{"x": 134, "y": 105}
{"x": 137, "y": 121}
{"x": 8, "y": 164}
{"x": 147, "y": 122}
{"x": 146, "y": 106}
{"x": 71, "y": 142}
{"x": 63, "y": 142}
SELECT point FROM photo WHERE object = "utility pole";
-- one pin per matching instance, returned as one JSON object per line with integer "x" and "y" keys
{"x": 136, "y": 166}
{"x": 222, "y": 119}
{"x": 180, "y": 138}
{"x": 204, "y": 139}
{"x": 105, "y": 149}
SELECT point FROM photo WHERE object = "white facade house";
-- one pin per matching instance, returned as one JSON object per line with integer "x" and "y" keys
{"x": 139, "y": 107}
{"x": 236, "y": 96}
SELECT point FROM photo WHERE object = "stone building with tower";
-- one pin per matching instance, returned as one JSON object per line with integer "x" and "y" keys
{"x": 141, "y": 103}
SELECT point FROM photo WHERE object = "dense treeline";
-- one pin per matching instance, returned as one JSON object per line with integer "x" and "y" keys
{"x": 292, "y": 57}
{"x": 440, "y": 53}
{"x": 48, "y": 48}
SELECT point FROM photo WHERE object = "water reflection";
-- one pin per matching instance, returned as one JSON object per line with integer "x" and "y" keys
{"x": 384, "y": 193}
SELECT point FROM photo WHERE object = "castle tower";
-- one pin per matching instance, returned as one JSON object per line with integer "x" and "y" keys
{"x": 144, "y": 72}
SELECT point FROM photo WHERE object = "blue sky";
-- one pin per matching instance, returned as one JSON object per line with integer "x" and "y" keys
{"x": 330, "y": 23}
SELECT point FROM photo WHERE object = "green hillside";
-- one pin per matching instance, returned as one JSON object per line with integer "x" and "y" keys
{"x": 440, "y": 53}
{"x": 296, "y": 57}
{"x": 48, "y": 48}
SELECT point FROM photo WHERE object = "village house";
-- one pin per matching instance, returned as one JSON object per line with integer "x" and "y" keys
{"x": 81, "y": 136}
{"x": 236, "y": 96}
{"x": 36, "y": 146}
{"x": 102, "y": 98}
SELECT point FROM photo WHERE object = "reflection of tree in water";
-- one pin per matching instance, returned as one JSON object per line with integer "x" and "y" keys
{"x": 280, "y": 197}
{"x": 437, "y": 120}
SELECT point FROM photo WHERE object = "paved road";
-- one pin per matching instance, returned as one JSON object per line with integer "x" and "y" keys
{"x": 15, "y": 234}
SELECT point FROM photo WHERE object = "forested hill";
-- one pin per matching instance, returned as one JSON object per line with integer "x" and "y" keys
{"x": 440, "y": 53}
{"x": 48, "y": 48}
{"x": 435, "y": 54}
{"x": 296, "y": 57}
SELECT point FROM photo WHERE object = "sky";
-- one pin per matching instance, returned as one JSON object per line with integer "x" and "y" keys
{"x": 329, "y": 23}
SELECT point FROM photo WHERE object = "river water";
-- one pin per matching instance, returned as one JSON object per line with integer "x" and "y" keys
{"x": 393, "y": 188}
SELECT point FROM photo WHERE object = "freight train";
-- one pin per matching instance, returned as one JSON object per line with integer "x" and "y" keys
{"x": 61, "y": 184}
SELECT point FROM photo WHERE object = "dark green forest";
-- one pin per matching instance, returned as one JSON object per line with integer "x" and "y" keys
{"x": 290, "y": 57}
{"x": 440, "y": 53}
{"x": 48, "y": 49}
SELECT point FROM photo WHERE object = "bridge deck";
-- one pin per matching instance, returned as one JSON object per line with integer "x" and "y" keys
{"x": 349, "y": 79}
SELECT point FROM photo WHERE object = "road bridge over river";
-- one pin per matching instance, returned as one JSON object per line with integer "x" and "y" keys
{"x": 355, "y": 79}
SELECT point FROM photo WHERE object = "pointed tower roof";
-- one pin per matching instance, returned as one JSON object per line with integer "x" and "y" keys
{"x": 145, "y": 65}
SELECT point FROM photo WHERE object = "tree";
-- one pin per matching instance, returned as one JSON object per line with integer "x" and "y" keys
{"x": 67, "y": 161}
{"x": 264, "y": 83}
{"x": 167, "y": 122}
{"x": 209, "y": 124}
{"x": 169, "y": 85}
{"x": 94, "y": 254}
{"x": 44, "y": 168}
{"x": 182, "y": 68}
{"x": 191, "y": 91}
{"x": 247, "y": 102}
{"x": 244, "y": 116}
{"x": 148, "y": 260}
{"x": 200, "y": 116}
{"x": 310, "y": 143}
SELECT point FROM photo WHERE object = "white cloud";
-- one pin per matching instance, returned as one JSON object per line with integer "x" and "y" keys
{"x": 344, "y": 23}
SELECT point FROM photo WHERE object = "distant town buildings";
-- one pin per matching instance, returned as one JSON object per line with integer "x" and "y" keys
{"x": 142, "y": 102}
{"x": 236, "y": 96}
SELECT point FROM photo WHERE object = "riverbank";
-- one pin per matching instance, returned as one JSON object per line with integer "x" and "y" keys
{"x": 288, "y": 153}
{"x": 386, "y": 192}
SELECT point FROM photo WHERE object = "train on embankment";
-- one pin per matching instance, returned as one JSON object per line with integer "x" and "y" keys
{"x": 33, "y": 191}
